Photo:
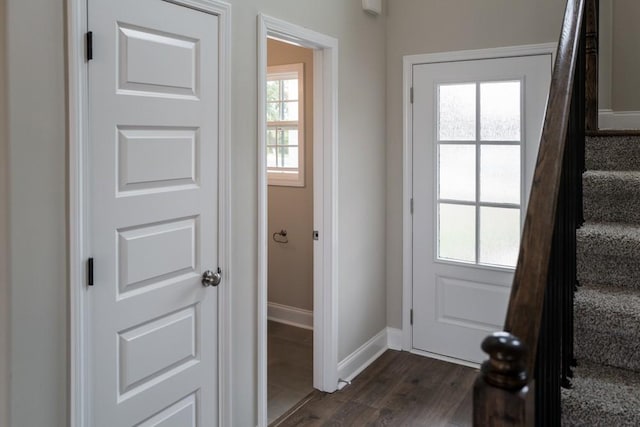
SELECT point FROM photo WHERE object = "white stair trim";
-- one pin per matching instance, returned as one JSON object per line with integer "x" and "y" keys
{"x": 609, "y": 119}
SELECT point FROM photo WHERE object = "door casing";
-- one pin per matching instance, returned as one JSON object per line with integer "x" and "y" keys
{"x": 325, "y": 203}
{"x": 407, "y": 155}
{"x": 78, "y": 179}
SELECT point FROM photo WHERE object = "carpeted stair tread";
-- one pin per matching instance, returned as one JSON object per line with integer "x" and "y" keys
{"x": 612, "y": 196}
{"x": 609, "y": 253}
{"x": 607, "y": 321}
{"x": 620, "y": 153}
{"x": 602, "y": 396}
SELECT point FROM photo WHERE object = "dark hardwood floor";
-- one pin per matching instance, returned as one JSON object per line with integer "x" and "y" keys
{"x": 398, "y": 389}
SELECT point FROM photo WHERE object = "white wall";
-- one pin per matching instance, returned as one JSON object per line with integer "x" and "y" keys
{"x": 291, "y": 208}
{"x": 36, "y": 125}
{"x": 4, "y": 234}
{"x": 38, "y": 246}
{"x": 428, "y": 26}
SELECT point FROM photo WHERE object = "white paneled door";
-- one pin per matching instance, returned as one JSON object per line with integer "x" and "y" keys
{"x": 153, "y": 166}
{"x": 476, "y": 130}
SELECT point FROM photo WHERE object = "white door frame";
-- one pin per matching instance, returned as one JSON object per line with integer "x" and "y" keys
{"x": 78, "y": 178}
{"x": 325, "y": 197}
{"x": 407, "y": 156}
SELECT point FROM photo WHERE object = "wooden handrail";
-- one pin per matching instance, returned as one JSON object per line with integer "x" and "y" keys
{"x": 527, "y": 294}
{"x": 502, "y": 395}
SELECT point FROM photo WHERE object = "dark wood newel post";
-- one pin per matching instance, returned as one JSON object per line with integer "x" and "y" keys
{"x": 501, "y": 395}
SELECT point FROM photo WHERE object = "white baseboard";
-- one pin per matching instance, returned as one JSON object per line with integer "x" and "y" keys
{"x": 293, "y": 316}
{"x": 364, "y": 356}
{"x": 394, "y": 339}
{"x": 609, "y": 119}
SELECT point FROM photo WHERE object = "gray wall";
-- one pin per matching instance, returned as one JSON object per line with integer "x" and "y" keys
{"x": 37, "y": 159}
{"x": 38, "y": 246}
{"x": 4, "y": 237}
{"x": 625, "y": 75}
{"x": 605, "y": 53}
{"x": 619, "y": 68}
{"x": 291, "y": 208}
{"x": 428, "y": 26}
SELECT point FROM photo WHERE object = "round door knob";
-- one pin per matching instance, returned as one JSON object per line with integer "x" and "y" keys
{"x": 209, "y": 278}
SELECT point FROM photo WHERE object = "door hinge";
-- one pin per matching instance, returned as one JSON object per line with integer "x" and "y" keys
{"x": 411, "y": 206}
{"x": 411, "y": 316}
{"x": 89, "y": 45}
{"x": 411, "y": 95}
{"x": 90, "y": 272}
{"x": 316, "y": 235}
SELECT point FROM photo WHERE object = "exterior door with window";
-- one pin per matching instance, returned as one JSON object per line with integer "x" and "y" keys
{"x": 476, "y": 130}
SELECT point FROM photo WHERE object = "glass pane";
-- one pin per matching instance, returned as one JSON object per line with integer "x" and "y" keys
{"x": 273, "y": 111}
{"x": 271, "y": 157}
{"x": 290, "y": 89}
{"x": 500, "y": 173}
{"x": 271, "y": 136}
{"x": 457, "y": 172}
{"x": 499, "y": 236}
{"x": 500, "y": 111}
{"x": 288, "y": 136}
{"x": 457, "y": 112}
{"x": 288, "y": 157}
{"x": 273, "y": 90}
{"x": 457, "y": 232}
{"x": 290, "y": 111}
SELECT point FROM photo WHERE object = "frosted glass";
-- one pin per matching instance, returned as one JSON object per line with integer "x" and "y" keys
{"x": 457, "y": 232}
{"x": 457, "y": 112}
{"x": 288, "y": 157}
{"x": 457, "y": 172}
{"x": 499, "y": 236}
{"x": 500, "y": 111}
{"x": 500, "y": 173}
{"x": 290, "y": 90}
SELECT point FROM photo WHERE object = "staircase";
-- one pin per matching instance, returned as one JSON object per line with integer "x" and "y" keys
{"x": 606, "y": 385}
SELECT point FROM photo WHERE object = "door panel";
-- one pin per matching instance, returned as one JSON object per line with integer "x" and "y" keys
{"x": 153, "y": 102}
{"x": 476, "y": 130}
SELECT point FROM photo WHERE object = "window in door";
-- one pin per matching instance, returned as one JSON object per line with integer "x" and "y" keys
{"x": 285, "y": 125}
{"x": 479, "y": 180}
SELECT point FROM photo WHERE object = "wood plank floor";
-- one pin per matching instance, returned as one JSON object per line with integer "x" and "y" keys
{"x": 398, "y": 389}
{"x": 289, "y": 367}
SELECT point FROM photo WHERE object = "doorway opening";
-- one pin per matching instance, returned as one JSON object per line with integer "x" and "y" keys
{"x": 297, "y": 214}
{"x": 289, "y": 116}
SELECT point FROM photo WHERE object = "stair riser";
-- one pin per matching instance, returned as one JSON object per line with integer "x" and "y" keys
{"x": 613, "y": 153}
{"x": 609, "y": 270}
{"x": 604, "y": 347}
{"x": 612, "y": 201}
{"x": 590, "y": 417}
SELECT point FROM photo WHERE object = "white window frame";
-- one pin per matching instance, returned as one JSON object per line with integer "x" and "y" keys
{"x": 287, "y": 176}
